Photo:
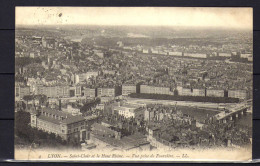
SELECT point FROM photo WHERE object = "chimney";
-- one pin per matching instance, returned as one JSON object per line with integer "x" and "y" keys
{"x": 59, "y": 104}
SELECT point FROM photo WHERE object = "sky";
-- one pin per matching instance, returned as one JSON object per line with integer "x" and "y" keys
{"x": 148, "y": 16}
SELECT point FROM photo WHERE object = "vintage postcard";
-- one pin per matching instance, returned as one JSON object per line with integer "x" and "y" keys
{"x": 159, "y": 84}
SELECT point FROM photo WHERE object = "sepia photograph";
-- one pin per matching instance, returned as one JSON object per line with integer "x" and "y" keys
{"x": 129, "y": 84}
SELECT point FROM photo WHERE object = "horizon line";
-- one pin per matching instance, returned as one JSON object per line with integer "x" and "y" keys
{"x": 180, "y": 26}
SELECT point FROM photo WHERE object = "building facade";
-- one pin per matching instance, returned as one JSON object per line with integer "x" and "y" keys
{"x": 154, "y": 89}
{"x": 240, "y": 94}
{"x": 90, "y": 92}
{"x": 106, "y": 92}
{"x": 128, "y": 89}
{"x": 215, "y": 93}
{"x": 53, "y": 91}
{"x": 21, "y": 91}
{"x": 65, "y": 125}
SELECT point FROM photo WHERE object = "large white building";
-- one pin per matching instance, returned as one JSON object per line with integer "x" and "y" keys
{"x": 128, "y": 89}
{"x": 241, "y": 94}
{"x": 154, "y": 89}
{"x": 224, "y": 54}
{"x": 198, "y": 92}
{"x": 90, "y": 92}
{"x": 175, "y": 53}
{"x": 215, "y": 93}
{"x": 145, "y": 51}
{"x": 106, "y": 92}
{"x": 195, "y": 55}
{"x": 128, "y": 111}
{"x": 186, "y": 92}
{"x": 53, "y": 91}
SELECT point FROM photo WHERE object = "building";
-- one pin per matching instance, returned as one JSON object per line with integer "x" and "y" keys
{"x": 179, "y": 90}
{"x": 90, "y": 92}
{"x": 198, "y": 92}
{"x": 81, "y": 77}
{"x": 224, "y": 54}
{"x": 77, "y": 91}
{"x": 106, "y": 92}
{"x": 129, "y": 111}
{"x": 105, "y": 99}
{"x": 215, "y": 93}
{"x": 49, "y": 42}
{"x": 250, "y": 59}
{"x": 53, "y": 101}
{"x": 91, "y": 74}
{"x": 63, "y": 91}
{"x": 21, "y": 91}
{"x": 105, "y": 137}
{"x": 78, "y": 78}
{"x": 247, "y": 56}
{"x": 154, "y": 89}
{"x": 99, "y": 53}
{"x": 53, "y": 91}
{"x": 162, "y": 52}
{"x": 149, "y": 114}
{"x": 128, "y": 89}
{"x": 31, "y": 55}
{"x": 145, "y": 51}
{"x": 65, "y": 125}
{"x": 71, "y": 110}
{"x": 175, "y": 53}
{"x": 240, "y": 94}
{"x": 171, "y": 71}
{"x": 109, "y": 72}
{"x": 156, "y": 114}
{"x": 186, "y": 92}
{"x": 154, "y": 51}
{"x": 120, "y": 44}
{"x": 195, "y": 55}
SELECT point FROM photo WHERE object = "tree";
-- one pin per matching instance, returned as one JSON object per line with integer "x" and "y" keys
{"x": 42, "y": 99}
{"x": 28, "y": 98}
{"x": 22, "y": 119}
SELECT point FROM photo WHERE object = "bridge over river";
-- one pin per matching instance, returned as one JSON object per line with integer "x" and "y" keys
{"x": 233, "y": 112}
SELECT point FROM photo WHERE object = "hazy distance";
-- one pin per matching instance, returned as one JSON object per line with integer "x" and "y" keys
{"x": 239, "y": 18}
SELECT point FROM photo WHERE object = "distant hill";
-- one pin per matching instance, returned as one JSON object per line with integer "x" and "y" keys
{"x": 141, "y": 31}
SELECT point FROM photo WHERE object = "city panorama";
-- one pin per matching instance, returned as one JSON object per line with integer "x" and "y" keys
{"x": 132, "y": 88}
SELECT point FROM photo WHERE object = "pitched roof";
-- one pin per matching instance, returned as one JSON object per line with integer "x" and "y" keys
{"x": 73, "y": 119}
{"x": 49, "y": 119}
{"x": 68, "y": 117}
{"x": 56, "y": 112}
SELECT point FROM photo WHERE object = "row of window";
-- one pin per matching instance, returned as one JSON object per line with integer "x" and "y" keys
{"x": 75, "y": 125}
{"x": 48, "y": 127}
{"x": 48, "y": 130}
{"x": 76, "y": 129}
{"x": 52, "y": 115}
